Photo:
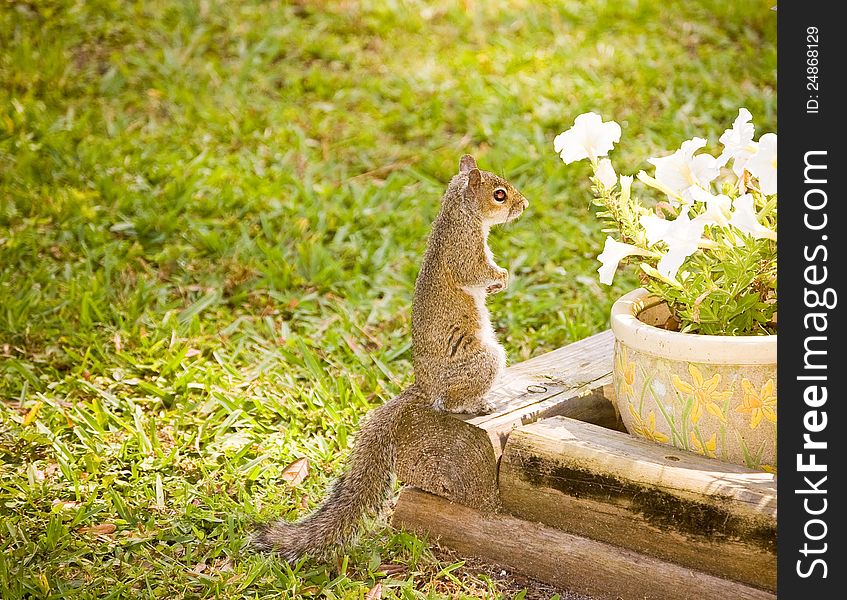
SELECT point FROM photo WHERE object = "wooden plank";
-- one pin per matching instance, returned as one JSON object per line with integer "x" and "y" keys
{"x": 663, "y": 502}
{"x": 457, "y": 456}
{"x": 544, "y": 385}
{"x": 569, "y": 561}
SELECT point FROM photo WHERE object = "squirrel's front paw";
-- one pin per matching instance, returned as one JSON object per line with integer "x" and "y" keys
{"x": 495, "y": 287}
{"x": 499, "y": 284}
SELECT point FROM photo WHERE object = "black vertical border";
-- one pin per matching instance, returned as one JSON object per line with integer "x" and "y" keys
{"x": 800, "y": 132}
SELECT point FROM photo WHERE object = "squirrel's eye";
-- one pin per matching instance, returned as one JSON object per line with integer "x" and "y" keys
{"x": 500, "y": 195}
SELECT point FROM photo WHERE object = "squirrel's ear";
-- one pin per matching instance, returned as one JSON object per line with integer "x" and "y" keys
{"x": 474, "y": 178}
{"x": 467, "y": 163}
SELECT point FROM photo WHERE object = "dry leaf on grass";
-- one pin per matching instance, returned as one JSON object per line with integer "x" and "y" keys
{"x": 352, "y": 344}
{"x": 223, "y": 565}
{"x": 296, "y": 472}
{"x": 374, "y": 593}
{"x": 102, "y": 529}
{"x": 33, "y": 413}
{"x": 389, "y": 569}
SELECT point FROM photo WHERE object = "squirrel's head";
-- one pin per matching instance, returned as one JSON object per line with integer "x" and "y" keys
{"x": 488, "y": 195}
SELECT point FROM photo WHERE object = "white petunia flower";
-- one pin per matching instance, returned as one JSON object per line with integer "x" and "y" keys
{"x": 738, "y": 144}
{"x": 744, "y": 218}
{"x": 681, "y": 170}
{"x": 762, "y": 165}
{"x": 682, "y": 235}
{"x": 589, "y": 137}
{"x": 655, "y": 228}
{"x": 654, "y": 183}
{"x": 718, "y": 208}
{"x": 613, "y": 252}
{"x": 606, "y": 174}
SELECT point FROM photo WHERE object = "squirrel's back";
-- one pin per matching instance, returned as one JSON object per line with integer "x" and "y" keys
{"x": 440, "y": 302}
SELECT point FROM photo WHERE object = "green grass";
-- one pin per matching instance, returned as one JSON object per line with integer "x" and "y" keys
{"x": 211, "y": 217}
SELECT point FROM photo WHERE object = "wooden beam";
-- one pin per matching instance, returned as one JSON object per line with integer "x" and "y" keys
{"x": 569, "y": 561}
{"x": 548, "y": 385}
{"x": 654, "y": 499}
{"x": 457, "y": 456}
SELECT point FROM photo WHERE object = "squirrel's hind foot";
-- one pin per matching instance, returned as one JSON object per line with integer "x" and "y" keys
{"x": 479, "y": 406}
{"x": 484, "y": 407}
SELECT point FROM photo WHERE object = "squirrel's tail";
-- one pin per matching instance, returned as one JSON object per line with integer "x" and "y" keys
{"x": 361, "y": 490}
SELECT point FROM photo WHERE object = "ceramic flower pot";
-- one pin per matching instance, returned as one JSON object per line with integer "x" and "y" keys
{"x": 714, "y": 395}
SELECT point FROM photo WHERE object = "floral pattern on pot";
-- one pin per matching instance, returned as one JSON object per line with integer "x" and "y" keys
{"x": 722, "y": 411}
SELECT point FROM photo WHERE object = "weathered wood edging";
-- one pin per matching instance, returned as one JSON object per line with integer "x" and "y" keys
{"x": 457, "y": 457}
{"x": 674, "y": 505}
{"x": 570, "y": 561}
{"x": 575, "y": 502}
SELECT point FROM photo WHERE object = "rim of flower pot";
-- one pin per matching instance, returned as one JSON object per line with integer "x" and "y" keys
{"x": 691, "y": 347}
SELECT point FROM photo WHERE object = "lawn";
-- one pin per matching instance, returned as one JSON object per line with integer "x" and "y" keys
{"x": 211, "y": 218}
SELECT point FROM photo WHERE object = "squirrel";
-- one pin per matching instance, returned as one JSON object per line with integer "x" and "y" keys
{"x": 455, "y": 354}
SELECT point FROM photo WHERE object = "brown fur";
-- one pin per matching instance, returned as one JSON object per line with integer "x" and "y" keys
{"x": 456, "y": 359}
